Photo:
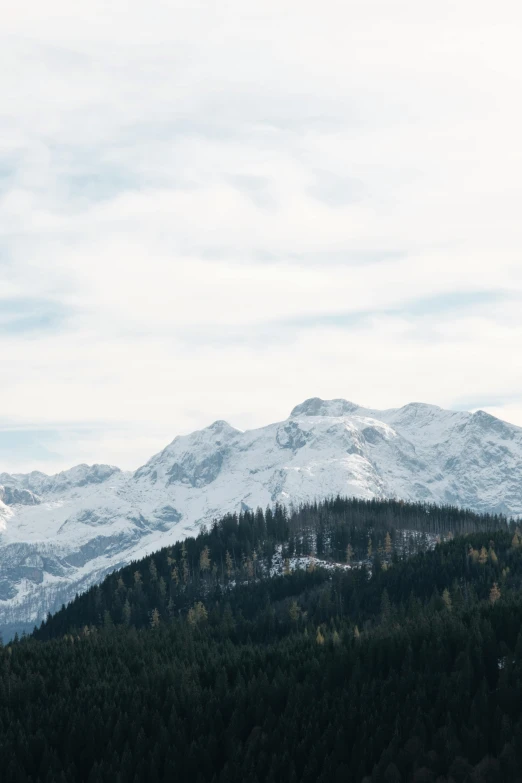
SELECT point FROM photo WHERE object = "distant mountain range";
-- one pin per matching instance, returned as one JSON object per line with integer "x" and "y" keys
{"x": 59, "y": 534}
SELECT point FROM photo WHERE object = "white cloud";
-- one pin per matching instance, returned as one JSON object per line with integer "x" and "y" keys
{"x": 199, "y": 188}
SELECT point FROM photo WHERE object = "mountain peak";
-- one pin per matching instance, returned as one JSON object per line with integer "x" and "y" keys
{"x": 315, "y": 406}
{"x": 92, "y": 518}
{"x": 490, "y": 423}
{"x": 222, "y": 426}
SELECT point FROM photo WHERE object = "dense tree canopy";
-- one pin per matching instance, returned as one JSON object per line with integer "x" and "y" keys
{"x": 240, "y": 549}
{"x": 194, "y": 665}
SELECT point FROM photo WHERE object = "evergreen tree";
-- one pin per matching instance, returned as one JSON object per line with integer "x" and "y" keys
{"x": 154, "y": 618}
{"x": 494, "y": 593}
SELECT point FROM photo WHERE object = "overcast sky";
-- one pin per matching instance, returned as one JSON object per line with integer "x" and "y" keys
{"x": 216, "y": 210}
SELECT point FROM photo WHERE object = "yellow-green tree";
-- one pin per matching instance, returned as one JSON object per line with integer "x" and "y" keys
{"x": 197, "y": 614}
{"x": 494, "y": 593}
{"x": 294, "y": 612}
{"x": 473, "y": 554}
{"x": 204, "y": 559}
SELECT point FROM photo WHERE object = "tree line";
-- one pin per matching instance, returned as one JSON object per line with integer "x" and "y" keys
{"x": 402, "y": 668}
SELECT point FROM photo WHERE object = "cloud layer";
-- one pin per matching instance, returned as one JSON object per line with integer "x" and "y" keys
{"x": 215, "y": 212}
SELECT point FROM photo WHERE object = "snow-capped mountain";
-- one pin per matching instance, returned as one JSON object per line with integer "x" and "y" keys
{"x": 59, "y": 534}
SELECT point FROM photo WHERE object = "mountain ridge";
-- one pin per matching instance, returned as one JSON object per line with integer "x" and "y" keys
{"x": 59, "y": 534}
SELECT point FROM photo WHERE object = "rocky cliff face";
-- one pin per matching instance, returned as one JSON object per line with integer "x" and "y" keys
{"x": 60, "y": 534}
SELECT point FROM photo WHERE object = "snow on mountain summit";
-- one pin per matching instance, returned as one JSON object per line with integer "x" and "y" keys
{"x": 59, "y": 534}
{"x": 317, "y": 407}
{"x": 194, "y": 459}
{"x": 41, "y": 483}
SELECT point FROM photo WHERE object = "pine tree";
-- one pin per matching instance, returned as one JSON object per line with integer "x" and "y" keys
{"x": 349, "y": 553}
{"x": 204, "y": 559}
{"x": 294, "y": 612}
{"x": 388, "y": 544}
{"x": 184, "y": 564}
{"x": 126, "y": 612}
{"x": 197, "y": 614}
{"x": 154, "y": 618}
{"x": 319, "y": 637}
{"x": 494, "y": 593}
{"x": 446, "y": 598}
{"x": 162, "y": 588}
{"x": 385, "y": 606}
{"x": 229, "y": 566}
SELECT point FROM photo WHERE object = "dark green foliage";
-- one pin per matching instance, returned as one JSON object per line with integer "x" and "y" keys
{"x": 170, "y": 581}
{"x": 411, "y": 674}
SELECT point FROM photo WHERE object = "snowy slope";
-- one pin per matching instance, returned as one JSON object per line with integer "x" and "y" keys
{"x": 59, "y": 534}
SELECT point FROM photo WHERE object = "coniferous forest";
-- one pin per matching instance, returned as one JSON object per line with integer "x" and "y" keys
{"x": 216, "y": 660}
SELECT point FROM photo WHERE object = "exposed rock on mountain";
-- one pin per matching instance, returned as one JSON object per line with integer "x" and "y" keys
{"x": 59, "y": 534}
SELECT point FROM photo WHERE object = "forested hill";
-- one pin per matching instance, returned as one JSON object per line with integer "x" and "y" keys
{"x": 241, "y": 549}
{"x": 408, "y": 671}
